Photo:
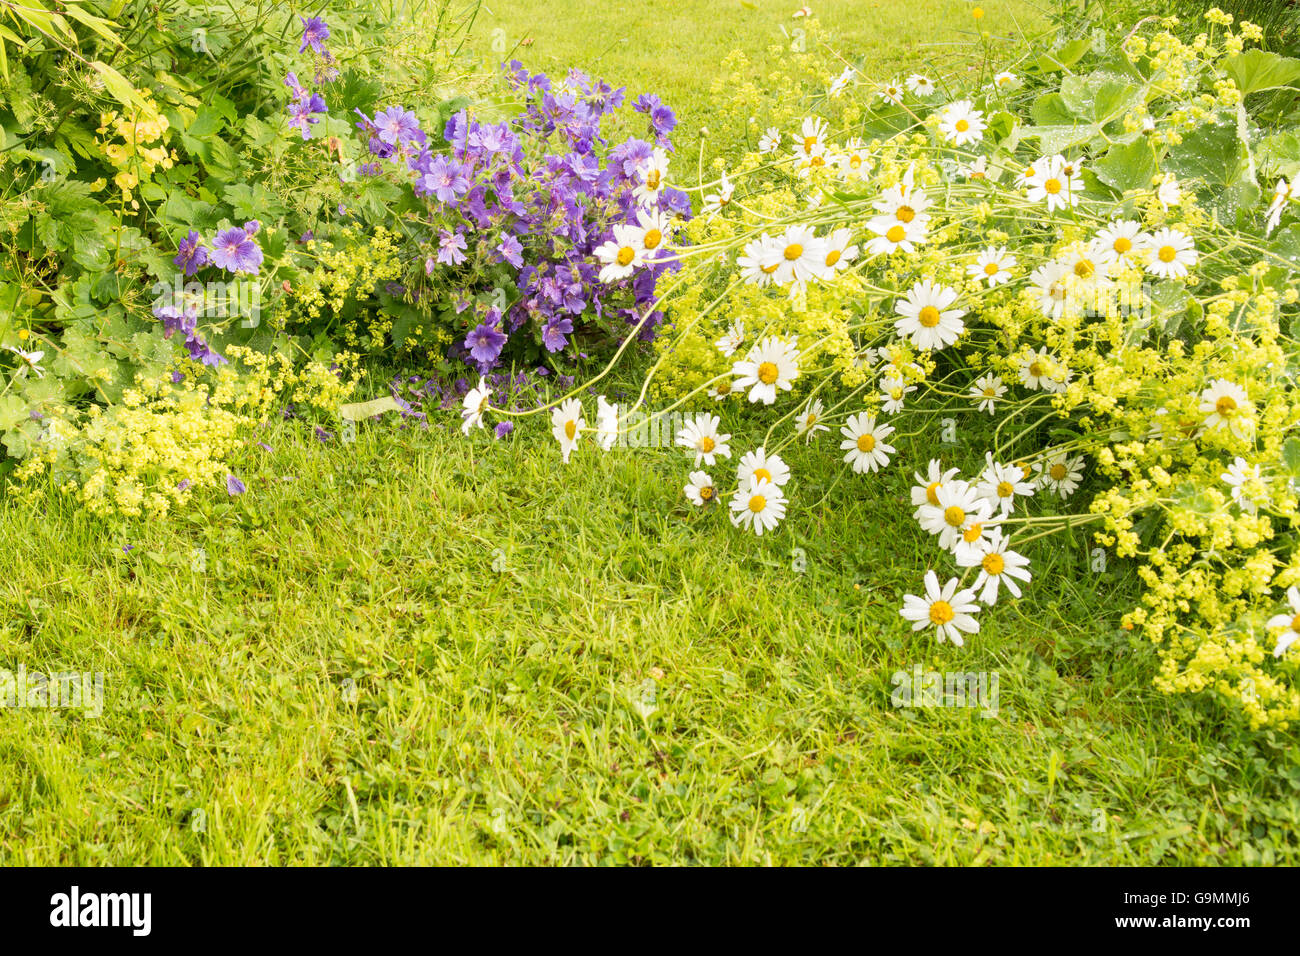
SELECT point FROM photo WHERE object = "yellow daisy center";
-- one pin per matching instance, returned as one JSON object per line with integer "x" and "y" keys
{"x": 973, "y": 533}
{"x": 993, "y": 563}
{"x": 954, "y": 516}
{"x": 932, "y": 492}
{"x": 961, "y": 126}
{"x": 866, "y": 442}
{"x": 757, "y": 503}
{"x": 1168, "y": 253}
{"x": 1036, "y": 369}
{"x": 724, "y": 388}
{"x": 896, "y": 234}
{"x": 1083, "y": 268}
{"x": 1057, "y": 471}
{"x": 928, "y": 316}
{"x": 991, "y": 269}
{"x": 652, "y": 179}
{"x": 793, "y": 251}
{"x": 809, "y": 143}
{"x": 626, "y": 255}
{"x": 1005, "y": 489}
{"x": 1295, "y": 624}
{"x": 832, "y": 257}
{"x": 941, "y": 612}
{"x": 570, "y": 429}
{"x": 652, "y": 238}
{"x": 1123, "y": 244}
{"x": 1053, "y": 186}
{"x": 762, "y": 474}
{"x": 706, "y": 492}
{"x": 768, "y": 373}
{"x": 905, "y": 214}
{"x": 1226, "y": 405}
{"x": 707, "y": 444}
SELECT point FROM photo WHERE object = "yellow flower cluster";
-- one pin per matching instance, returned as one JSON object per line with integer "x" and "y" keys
{"x": 135, "y": 145}
{"x": 346, "y": 272}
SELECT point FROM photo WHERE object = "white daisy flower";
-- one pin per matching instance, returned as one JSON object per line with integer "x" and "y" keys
{"x": 1283, "y": 193}
{"x": 921, "y": 86}
{"x": 1061, "y": 473}
{"x": 1006, "y": 81}
{"x": 759, "y": 260}
{"x": 864, "y": 441}
{"x": 622, "y": 254}
{"x": 993, "y": 266}
{"x": 1226, "y": 405}
{"x": 759, "y": 508}
{"x": 998, "y": 565}
{"x": 893, "y": 393}
{"x": 798, "y": 256}
{"x": 1289, "y": 623}
{"x": 701, "y": 435}
{"x": 1050, "y": 287}
{"x": 714, "y": 203}
{"x": 758, "y": 465}
{"x": 701, "y": 490}
{"x": 809, "y": 422}
{"x": 987, "y": 390}
{"x": 840, "y": 252}
{"x": 1170, "y": 192}
{"x": 728, "y": 344}
{"x": 904, "y": 202}
{"x": 892, "y": 235}
{"x": 567, "y": 424}
{"x": 926, "y": 490}
{"x": 1036, "y": 370}
{"x": 770, "y": 365}
{"x": 854, "y": 162}
{"x": 1056, "y": 182}
{"x": 948, "y": 610}
{"x": 606, "y": 423}
{"x": 656, "y": 229}
{"x": 841, "y": 82}
{"x": 1172, "y": 253}
{"x": 30, "y": 362}
{"x": 1248, "y": 486}
{"x": 653, "y": 178}
{"x": 961, "y": 123}
{"x": 475, "y": 404}
{"x": 1000, "y": 484}
{"x": 721, "y": 390}
{"x": 892, "y": 92}
{"x": 927, "y": 319}
{"x": 1121, "y": 239}
{"x": 811, "y": 139}
{"x": 959, "y": 506}
{"x": 769, "y": 140}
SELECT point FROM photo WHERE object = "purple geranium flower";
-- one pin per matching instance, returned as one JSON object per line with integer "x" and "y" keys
{"x": 234, "y": 486}
{"x": 511, "y": 251}
{"x": 445, "y": 179}
{"x": 396, "y": 125}
{"x": 554, "y": 335}
{"x": 235, "y": 251}
{"x": 504, "y": 428}
{"x": 452, "y": 249}
{"x": 314, "y": 34}
{"x": 485, "y": 344}
{"x": 191, "y": 254}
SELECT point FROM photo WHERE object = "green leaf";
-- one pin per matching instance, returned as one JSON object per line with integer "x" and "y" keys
{"x": 118, "y": 86}
{"x": 1065, "y": 57}
{"x": 1291, "y": 455}
{"x": 1257, "y": 70}
{"x": 1211, "y": 153}
{"x": 1127, "y": 166}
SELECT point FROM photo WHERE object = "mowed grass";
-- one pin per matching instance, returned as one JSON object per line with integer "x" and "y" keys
{"x": 675, "y": 48}
{"x": 418, "y": 648}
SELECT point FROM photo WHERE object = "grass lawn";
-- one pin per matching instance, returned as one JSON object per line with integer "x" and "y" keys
{"x": 417, "y": 648}
{"x": 674, "y": 48}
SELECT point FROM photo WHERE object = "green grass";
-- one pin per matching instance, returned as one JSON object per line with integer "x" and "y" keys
{"x": 674, "y": 48}
{"x": 500, "y": 615}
